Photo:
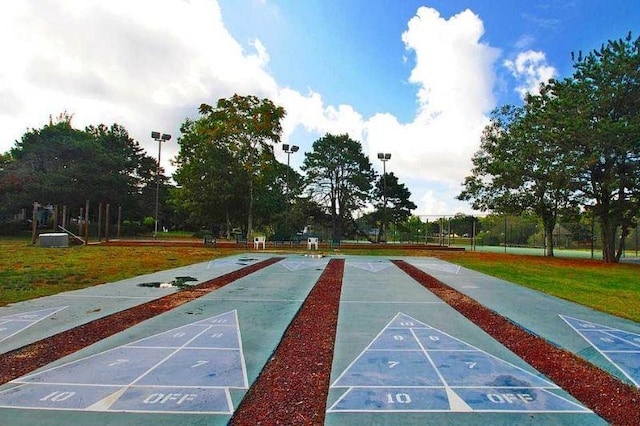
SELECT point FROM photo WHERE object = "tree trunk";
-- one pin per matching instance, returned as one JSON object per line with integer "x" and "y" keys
{"x": 608, "y": 240}
{"x": 226, "y": 212}
{"x": 621, "y": 242}
{"x": 250, "y": 216}
{"x": 548, "y": 236}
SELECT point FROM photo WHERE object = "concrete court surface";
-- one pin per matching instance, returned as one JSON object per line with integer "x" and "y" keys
{"x": 391, "y": 331}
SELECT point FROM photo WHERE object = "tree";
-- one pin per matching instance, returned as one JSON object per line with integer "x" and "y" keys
{"x": 126, "y": 169}
{"x": 339, "y": 177}
{"x": 521, "y": 166}
{"x": 210, "y": 178}
{"x": 58, "y": 164}
{"x": 397, "y": 196}
{"x": 247, "y": 125}
{"x": 602, "y": 107}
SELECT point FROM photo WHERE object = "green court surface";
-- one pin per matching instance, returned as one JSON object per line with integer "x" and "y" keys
{"x": 402, "y": 356}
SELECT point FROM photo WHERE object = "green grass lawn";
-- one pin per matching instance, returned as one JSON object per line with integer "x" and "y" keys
{"x": 27, "y": 272}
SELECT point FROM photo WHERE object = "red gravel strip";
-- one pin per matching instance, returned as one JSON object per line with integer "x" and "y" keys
{"x": 611, "y": 399}
{"x": 30, "y": 357}
{"x": 292, "y": 388}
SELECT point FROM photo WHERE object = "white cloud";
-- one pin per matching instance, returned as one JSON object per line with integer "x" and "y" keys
{"x": 144, "y": 64}
{"x": 310, "y": 112}
{"x": 454, "y": 75}
{"x": 530, "y": 68}
{"x": 148, "y": 65}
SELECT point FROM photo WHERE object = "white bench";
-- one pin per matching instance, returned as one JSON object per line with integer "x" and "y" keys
{"x": 312, "y": 242}
{"x": 257, "y": 241}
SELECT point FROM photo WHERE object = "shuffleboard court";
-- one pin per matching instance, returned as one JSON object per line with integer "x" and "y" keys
{"x": 186, "y": 369}
{"x": 403, "y": 356}
{"x": 539, "y": 313}
{"x": 371, "y": 266}
{"x": 411, "y": 366}
{"x": 10, "y": 325}
{"x": 153, "y": 378}
{"x": 98, "y": 301}
{"x": 620, "y": 347}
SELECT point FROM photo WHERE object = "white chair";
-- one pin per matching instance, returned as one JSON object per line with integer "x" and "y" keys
{"x": 257, "y": 241}
{"x": 312, "y": 241}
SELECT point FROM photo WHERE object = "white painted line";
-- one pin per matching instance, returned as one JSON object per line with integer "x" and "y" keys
{"x": 29, "y": 319}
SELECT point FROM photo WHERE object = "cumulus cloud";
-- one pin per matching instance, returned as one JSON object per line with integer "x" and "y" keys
{"x": 454, "y": 76}
{"x": 530, "y": 68}
{"x": 143, "y": 64}
{"x": 147, "y": 65}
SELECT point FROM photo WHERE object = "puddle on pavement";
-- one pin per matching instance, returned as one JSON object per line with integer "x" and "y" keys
{"x": 177, "y": 282}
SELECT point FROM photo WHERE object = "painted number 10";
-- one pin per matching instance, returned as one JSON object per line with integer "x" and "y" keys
{"x": 398, "y": 398}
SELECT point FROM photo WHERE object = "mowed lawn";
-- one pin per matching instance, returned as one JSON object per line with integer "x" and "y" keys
{"x": 27, "y": 272}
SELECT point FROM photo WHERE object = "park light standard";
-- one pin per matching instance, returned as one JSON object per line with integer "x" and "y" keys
{"x": 384, "y": 157}
{"x": 160, "y": 138}
{"x": 289, "y": 149}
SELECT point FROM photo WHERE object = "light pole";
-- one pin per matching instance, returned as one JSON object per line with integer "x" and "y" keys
{"x": 289, "y": 149}
{"x": 384, "y": 157}
{"x": 160, "y": 138}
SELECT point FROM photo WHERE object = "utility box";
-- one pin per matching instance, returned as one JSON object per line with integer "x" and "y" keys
{"x": 54, "y": 239}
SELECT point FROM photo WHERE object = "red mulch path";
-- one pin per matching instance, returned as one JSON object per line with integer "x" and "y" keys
{"x": 292, "y": 388}
{"x": 28, "y": 358}
{"x": 611, "y": 399}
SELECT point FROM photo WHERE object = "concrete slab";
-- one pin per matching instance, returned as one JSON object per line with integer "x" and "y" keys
{"x": 398, "y": 347}
{"x": 82, "y": 306}
{"x": 537, "y": 312}
{"x": 402, "y": 356}
{"x": 264, "y": 304}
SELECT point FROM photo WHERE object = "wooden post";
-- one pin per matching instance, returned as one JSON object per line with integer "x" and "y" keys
{"x": 106, "y": 223}
{"x": 119, "y": 219}
{"x": 86, "y": 222}
{"x": 80, "y": 224}
{"x": 99, "y": 220}
{"x": 55, "y": 218}
{"x": 34, "y": 223}
{"x": 64, "y": 216}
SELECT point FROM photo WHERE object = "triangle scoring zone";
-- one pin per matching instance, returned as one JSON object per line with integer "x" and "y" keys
{"x": 413, "y": 367}
{"x": 186, "y": 369}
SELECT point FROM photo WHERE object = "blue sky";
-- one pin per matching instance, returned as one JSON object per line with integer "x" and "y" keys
{"x": 417, "y": 79}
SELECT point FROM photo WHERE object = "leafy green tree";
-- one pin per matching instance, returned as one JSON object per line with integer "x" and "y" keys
{"x": 247, "y": 125}
{"x": 339, "y": 177}
{"x": 399, "y": 205}
{"x": 521, "y": 167}
{"x": 601, "y": 103}
{"x": 58, "y": 164}
{"x": 128, "y": 172}
{"x": 211, "y": 181}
